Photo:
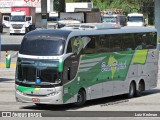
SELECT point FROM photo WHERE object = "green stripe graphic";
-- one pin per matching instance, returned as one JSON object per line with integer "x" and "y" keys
{"x": 140, "y": 56}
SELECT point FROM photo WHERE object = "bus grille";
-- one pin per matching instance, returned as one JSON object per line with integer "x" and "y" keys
{"x": 17, "y": 26}
{"x": 36, "y": 95}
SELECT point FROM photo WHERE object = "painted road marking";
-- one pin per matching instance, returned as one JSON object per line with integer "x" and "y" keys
{"x": 4, "y": 65}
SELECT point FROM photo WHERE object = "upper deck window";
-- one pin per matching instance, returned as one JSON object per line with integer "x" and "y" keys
{"x": 42, "y": 47}
{"x": 44, "y": 44}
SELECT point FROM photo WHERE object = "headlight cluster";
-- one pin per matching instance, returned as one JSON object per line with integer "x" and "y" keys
{"x": 53, "y": 93}
{"x": 20, "y": 92}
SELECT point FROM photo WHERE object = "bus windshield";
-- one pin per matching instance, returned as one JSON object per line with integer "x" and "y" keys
{"x": 42, "y": 46}
{"x": 109, "y": 19}
{"x": 41, "y": 72}
{"x": 135, "y": 19}
{"x": 18, "y": 18}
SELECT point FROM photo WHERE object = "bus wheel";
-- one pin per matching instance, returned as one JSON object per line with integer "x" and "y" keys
{"x": 140, "y": 89}
{"x": 132, "y": 90}
{"x": 81, "y": 98}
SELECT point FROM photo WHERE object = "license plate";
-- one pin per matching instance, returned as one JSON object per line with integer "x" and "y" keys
{"x": 35, "y": 99}
{"x": 17, "y": 31}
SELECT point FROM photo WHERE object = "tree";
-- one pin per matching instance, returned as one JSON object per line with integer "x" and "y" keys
{"x": 59, "y": 5}
{"x": 128, "y": 6}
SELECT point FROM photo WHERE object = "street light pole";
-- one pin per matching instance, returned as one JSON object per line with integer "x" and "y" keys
{"x": 43, "y": 13}
{"x": 157, "y": 16}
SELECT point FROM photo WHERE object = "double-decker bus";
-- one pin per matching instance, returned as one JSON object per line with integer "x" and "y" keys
{"x": 73, "y": 66}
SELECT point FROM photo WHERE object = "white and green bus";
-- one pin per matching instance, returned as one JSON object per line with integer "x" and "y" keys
{"x": 73, "y": 66}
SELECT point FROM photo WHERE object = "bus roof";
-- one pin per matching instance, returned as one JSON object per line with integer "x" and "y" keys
{"x": 121, "y": 30}
{"x": 68, "y": 33}
{"x": 49, "y": 33}
{"x": 92, "y": 26}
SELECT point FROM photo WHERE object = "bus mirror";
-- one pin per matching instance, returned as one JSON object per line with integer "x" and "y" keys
{"x": 8, "y": 61}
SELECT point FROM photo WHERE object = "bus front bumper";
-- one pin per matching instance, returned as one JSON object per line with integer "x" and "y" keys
{"x": 20, "y": 31}
{"x": 52, "y": 99}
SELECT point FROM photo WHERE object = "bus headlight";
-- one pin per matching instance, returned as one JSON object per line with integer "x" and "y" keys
{"x": 53, "y": 93}
{"x": 19, "y": 92}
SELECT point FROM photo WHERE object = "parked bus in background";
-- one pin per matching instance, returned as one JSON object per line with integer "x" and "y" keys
{"x": 114, "y": 19}
{"x": 72, "y": 66}
{"x": 136, "y": 19}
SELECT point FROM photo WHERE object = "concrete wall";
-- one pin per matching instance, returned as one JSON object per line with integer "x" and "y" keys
{"x": 157, "y": 16}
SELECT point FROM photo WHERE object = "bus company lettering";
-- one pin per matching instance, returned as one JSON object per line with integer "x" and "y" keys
{"x": 109, "y": 67}
{"x": 113, "y": 66}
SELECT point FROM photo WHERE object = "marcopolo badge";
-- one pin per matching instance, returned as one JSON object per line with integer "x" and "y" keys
{"x": 38, "y": 80}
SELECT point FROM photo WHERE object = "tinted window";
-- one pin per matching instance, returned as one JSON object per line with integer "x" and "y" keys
{"x": 103, "y": 44}
{"x": 109, "y": 19}
{"x": 151, "y": 40}
{"x": 121, "y": 42}
{"x": 115, "y": 43}
{"x": 42, "y": 46}
{"x": 146, "y": 40}
{"x": 44, "y": 42}
{"x": 6, "y": 18}
{"x": 18, "y": 18}
{"x": 135, "y": 19}
{"x": 128, "y": 42}
{"x": 69, "y": 48}
{"x": 91, "y": 46}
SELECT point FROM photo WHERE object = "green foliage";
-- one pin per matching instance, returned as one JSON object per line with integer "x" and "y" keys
{"x": 59, "y": 5}
{"x": 128, "y": 6}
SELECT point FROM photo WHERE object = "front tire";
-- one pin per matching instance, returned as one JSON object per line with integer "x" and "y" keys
{"x": 81, "y": 98}
{"x": 132, "y": 90}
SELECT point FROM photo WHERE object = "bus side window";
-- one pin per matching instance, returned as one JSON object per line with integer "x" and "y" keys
{"x": 69, "y": 48}
{"x": 103, "y": 43}
{"x": 140, "y": 41}
{"x": 74, "y": 45}
{"x": 128, "y": 42}
{"x": 115, "y": 43}
{"x": 90, "y": 47}
{"x": 151, "y": 41}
